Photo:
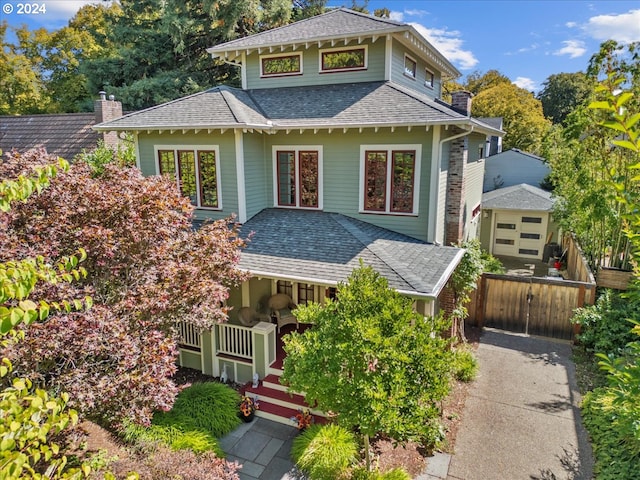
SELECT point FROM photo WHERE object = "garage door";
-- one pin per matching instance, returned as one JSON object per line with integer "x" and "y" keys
{"x": 520, "y": 235}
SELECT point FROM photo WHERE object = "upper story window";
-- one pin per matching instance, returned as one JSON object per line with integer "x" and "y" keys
{"x": 196, "y": 170}
{"x": 298, "y": 176}
{"x": 341, "y": 59}
{"x": 429, "y": 80}
{"x": 389, "y": 179}
{"x": 410, "y": 66}
{"x": 279, "y": 65}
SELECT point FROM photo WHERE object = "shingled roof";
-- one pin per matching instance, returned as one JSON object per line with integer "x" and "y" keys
{"x": 64, "y": 135}
{"x": 302, "y": 245}
{"x": 518, "y": 197}
{"x": 340, "y": 24}
{"x": 368, "y": 104}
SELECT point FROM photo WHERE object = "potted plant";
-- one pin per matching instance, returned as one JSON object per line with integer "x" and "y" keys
{"x": 248, "y": 407}
{"x": 303, "y": 419}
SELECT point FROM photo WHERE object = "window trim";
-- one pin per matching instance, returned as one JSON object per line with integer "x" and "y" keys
{"x": 429, "y": 75}
{"x": 390, "y": 148}
{"x": 280, "y": 55}
{"x": 297, "y": 149}
{"x": 343, "y": 49}
{"x": 404, "y": 67}
{"x": 195, "y": 149}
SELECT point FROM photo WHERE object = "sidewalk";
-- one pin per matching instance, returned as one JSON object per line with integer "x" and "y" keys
{"x": 521, "y": 419}
{"x": 262, "y": 448}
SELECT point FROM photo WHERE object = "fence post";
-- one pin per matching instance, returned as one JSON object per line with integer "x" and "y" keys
{"x": 480, "y": 303}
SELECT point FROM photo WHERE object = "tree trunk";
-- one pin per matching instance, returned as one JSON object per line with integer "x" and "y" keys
{"x": 367, "y": 456}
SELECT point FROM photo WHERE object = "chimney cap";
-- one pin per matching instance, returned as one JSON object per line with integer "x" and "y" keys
{"x": 112, "y": 97}
{"x": 103, "y": 95}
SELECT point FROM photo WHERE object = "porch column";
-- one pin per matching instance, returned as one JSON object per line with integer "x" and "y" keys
{"x": 264, "y": 347}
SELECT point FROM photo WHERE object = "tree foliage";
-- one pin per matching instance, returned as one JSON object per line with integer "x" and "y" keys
{"x": 562, "y": 93}
{"x": 523, "y": 120}
{"x": 372, "y": 360}
{"x": 147, "y": 271}
{"x": 32, "y": 421}
{"x": 588, "y": 167}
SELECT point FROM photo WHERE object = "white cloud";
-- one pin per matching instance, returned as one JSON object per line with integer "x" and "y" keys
{"x": 416, "y": 13}
{"x": 397, "y": 16}
{"x": 571, "y": 24}
{"x": 573, "y": 48}
{"x": 449, "y": 44}
{"x": 624, "y": 27}
{"x": 526, "y": 83}
{"x": 66, "y": 9}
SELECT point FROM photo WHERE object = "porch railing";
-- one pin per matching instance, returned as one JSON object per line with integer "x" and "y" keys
{"x": 189, "y": 335}
{"x": 235, "y": 340}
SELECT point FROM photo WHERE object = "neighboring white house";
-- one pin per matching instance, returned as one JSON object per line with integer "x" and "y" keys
{"x": 513, "y": 167}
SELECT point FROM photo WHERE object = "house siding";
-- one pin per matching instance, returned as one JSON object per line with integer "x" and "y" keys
{"x": 513, "y": 168}
{"x": 417, "y": 84}
{"x": 475, "y": 176}
{"x": 310, "y": 67}
{"x": 341, "y": 173}
{"x": 228, "y": 187}
{"x": 257, "y": 172}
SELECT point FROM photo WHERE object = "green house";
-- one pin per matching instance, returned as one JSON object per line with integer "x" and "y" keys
{"x": 338, "y": 147}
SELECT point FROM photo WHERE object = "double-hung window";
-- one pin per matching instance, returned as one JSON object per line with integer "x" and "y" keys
{"x": 298, "y": 176}
{"x": 390, "y": 178}
{"x": 196, "y": 170}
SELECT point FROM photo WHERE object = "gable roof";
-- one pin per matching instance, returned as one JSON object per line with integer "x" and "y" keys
{"x": 352, "y": 105}
{"x": 339, "y": 24}
{"x": 516, "y": 154}
{"x": 518, "y": 197}
{"x": 64, "y": 135}
{"x": 301, "y": 245}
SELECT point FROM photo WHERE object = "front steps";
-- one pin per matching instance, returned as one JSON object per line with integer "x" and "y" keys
{"x": 278, "y": 405}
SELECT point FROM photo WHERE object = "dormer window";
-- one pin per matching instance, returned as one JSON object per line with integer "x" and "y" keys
{"x": 281, "y": 65}
{"x": 343, "y": 59}
{"x": 410, "y": 67}
{"x": 429, "y": 79}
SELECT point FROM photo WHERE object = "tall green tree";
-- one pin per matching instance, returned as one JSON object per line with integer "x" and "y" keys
{"x": 523, "y": 120}
{"x": 372, "y": 360}
{"x": 159, "y": 47}
{"x": 562, "y": 93}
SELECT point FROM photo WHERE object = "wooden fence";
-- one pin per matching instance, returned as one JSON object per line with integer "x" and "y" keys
{"x": 534, "y": 305}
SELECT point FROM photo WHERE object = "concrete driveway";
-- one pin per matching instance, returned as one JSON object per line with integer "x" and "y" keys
{"x": 522, "y": 417}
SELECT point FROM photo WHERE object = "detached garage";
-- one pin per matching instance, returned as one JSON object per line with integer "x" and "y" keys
{"x": 517, "y": 222}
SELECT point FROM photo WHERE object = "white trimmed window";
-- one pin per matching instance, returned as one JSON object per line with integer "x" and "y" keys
{"x": 410, "y": 66}
{"x": 196, "y": 171}
{"x": 297, "y": 172}
{"x": 389, "y": 178}
{"x": 429, "y": 79}
{"x": 281, "y": 65}
{"x": 343, "y": 59}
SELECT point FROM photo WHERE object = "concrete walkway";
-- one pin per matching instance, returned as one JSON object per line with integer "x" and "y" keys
{"x": 521, "y": 419}
{"x": 262, "y": 448}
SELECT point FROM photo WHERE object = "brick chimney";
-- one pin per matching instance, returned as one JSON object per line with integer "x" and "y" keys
{"x": 456, "y": 190}
{"x": 461, "y": 102}
{"x": 108, "y": 110}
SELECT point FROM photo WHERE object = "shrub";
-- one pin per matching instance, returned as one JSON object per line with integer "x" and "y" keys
{"x": 361, "y": 473}
{"x": 210, "y": 406}
{"x": 325, "y": 452}
{"x": 605, "y": 325}
{"x": 465, "y": 365}
{"x": 490, "y": 263}
{"x": 616, "y": 453}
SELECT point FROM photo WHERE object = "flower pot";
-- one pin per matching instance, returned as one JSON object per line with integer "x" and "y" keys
{"x": 247, "y": 418}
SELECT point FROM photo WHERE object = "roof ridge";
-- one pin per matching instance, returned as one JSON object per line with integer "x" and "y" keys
{"x": 381, "y": 254}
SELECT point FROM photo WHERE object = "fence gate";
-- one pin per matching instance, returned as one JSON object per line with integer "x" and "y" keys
{"x": 533, "y": 305}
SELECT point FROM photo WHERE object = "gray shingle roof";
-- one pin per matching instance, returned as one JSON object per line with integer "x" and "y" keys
{"x": 64, "y": 135}
{"x": 335, "y": 23}
{"x": 518, "y": 197}
{"x": 321, "y": 106}
{"x": 326, "y": 247}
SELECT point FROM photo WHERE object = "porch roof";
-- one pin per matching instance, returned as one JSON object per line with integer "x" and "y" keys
{"x": 324, "y": 248}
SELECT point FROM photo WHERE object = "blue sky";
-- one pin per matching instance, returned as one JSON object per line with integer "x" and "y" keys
{"x": 525, "y": 40}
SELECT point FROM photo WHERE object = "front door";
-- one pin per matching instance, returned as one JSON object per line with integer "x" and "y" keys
{"x": 520, "y": 234}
